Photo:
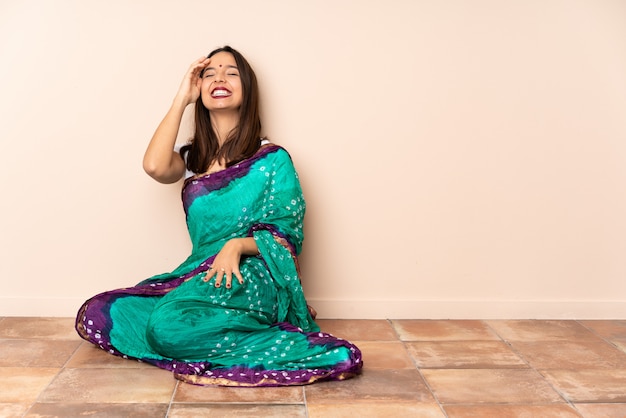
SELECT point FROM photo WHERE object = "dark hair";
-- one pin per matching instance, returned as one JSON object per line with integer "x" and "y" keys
{"x": 243, "y": 141}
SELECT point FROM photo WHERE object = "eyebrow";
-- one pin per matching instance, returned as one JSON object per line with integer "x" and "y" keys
{"x": 228, "y": 66}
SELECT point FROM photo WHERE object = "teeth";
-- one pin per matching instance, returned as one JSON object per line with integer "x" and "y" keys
{"x": 220, "y": 93}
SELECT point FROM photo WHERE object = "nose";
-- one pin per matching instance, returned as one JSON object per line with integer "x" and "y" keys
{"x": 219, "y": 76}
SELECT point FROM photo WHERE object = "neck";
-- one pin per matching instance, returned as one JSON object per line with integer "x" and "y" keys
{"x": 223, "y": 123}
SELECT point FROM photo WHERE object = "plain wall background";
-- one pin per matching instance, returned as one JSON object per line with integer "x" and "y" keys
{"x": 460, "y": 159}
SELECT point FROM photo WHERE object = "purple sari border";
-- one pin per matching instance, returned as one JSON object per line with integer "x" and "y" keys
{"x": 214, "y": 181}
{"x": 280, "y": 236}
{"x": 199, "y": 373}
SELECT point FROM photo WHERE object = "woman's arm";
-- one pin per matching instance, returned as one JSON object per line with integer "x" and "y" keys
{"x": 160, "y": 161}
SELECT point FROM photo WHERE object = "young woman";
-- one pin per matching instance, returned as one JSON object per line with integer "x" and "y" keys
{"x": 233, "y": 313}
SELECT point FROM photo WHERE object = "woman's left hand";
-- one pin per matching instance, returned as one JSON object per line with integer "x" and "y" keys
{"x": 226, "y": 262}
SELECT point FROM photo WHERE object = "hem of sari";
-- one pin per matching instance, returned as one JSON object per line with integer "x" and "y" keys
{"x": 203, "y": 373}
{"x": 264, "y": 382}
{"x": 238, "y": 376}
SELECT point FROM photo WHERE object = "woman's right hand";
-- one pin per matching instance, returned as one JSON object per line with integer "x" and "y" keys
{"x": 189, "y": 89}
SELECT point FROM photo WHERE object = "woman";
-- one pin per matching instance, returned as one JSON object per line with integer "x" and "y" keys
{"x": 233, "y": 313}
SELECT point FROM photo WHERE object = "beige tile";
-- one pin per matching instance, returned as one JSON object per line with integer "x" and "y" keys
{"x": 23, "y": 384}
{"x": 613, "y": 331}
{"x": 442, "y": 330}
{"x": 104, "y": 410}
{"x": 540, "y": 330}
{"x": 620, "y": 343}
{"x": 607, "y": 328}
{"x": 464, "y": 354}
{"x": 216, "y": 394}
{"x": 236, "y": 411}
{"x": 359, "y": 329}
{"x": 476, "y": 386}
{"x": 375, "y": 410}
{"x": 510, "y": 411}
{"x": 111, "y": 386}
{"x": 385, "y": 355}
{"x": 583, "y": 354}
{"x": 90, "y": 356}
{"x": 373, "y": 385}
{"x": 36, "y": 327}
{"x": 583, "y": 386}
{"x": 36, "y": 353}
{"x": 602, "y": 410}
{"x": 13, "y": 410}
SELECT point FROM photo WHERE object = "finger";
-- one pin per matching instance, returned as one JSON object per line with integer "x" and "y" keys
{"x": 199, "y": 66}
{"x": 219, "y": 277}
{"x": 201, "y": 61}
{"x": 229, "y": 280}
{"x": 238, "y": 275}
{"x": 209, "y": 274}
{"x": 194, "y": 65}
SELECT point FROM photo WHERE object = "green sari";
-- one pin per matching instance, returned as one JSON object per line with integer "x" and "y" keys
{"x": 259, "y": 333}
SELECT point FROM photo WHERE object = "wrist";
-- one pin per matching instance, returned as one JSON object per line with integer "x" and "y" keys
{"x": 244, "y": 246}
{"x": 180, "y": 102}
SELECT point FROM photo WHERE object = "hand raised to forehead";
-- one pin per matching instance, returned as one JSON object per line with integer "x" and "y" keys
{"x": 189, "y": 89}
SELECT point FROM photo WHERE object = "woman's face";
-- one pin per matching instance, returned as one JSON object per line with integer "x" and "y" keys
{"x": 221, "y": 85}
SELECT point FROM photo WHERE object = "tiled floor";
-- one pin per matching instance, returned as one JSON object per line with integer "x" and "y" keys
{"x": 413, "y": 368}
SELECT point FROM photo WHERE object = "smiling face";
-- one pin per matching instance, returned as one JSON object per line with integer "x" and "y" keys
{"x": 221, "y": 84}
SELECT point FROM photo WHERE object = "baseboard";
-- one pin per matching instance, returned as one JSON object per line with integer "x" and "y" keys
{"x": 382, "y": 309}
{"x": 468, "y": 309}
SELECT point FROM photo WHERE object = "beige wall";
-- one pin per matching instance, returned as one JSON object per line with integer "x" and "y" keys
{"x": 461, "y": 159}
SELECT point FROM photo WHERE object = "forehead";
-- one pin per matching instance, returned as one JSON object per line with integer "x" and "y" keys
{"x": 224, "y": 58}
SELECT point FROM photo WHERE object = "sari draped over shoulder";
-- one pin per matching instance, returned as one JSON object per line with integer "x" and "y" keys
{"x": 259, "y": 333}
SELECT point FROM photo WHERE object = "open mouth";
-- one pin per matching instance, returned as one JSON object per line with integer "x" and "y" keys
{"x": 220, "y": 92}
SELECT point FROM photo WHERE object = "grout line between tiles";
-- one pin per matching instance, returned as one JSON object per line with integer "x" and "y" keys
{"x": 530, "y": 366}
{"x": 306, "y": 404}
{"x": 594, "y": 332}
{"x": 72, "y": 355}
{"x": 395, "y": 331}
{"x": 508, "y": 344}
{"x": 169, "y": 406}
{"x": 419, "y": 371}
{"x": 430, "y": 389}
{"x": 45, "y": 388}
